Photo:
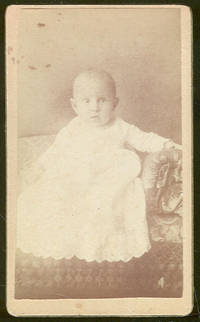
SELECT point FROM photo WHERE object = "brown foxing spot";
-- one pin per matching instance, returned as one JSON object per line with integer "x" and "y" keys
{"x": 22, "y": 57}
{"x": 18, "y": 61}
{"x": 10, "y": 49}
{"x": 48, "y": 65}
{"x": 41, "y": 24}
{"x": 59, "y": 13}
{"x": 13, "y": 59}
{"x": 32, "y": 67}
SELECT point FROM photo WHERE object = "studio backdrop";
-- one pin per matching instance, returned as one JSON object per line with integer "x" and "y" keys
{"x": 139, "y": 47}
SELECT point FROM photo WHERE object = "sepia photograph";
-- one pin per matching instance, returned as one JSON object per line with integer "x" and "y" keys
{"x": 99, "y": 160}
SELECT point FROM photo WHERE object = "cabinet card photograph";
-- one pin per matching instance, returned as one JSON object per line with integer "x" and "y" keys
{"x": 99, "y": 150}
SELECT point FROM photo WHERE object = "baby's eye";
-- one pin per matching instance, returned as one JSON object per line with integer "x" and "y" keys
{"x": 86, "y": 100}
{"x": 102, "y": 100}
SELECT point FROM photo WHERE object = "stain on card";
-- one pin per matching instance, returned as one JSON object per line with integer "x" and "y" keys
{"x": 32, "y": 67}
{"x": 40, "y": 24}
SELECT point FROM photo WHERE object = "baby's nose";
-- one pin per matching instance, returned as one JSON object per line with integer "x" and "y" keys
{"x": 95, "y": 105}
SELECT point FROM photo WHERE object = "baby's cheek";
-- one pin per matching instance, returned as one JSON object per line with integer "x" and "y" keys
{"x": 106, "y": 115}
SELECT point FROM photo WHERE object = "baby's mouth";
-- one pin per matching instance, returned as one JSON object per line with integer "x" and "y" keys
{"x": 94, "y": 116}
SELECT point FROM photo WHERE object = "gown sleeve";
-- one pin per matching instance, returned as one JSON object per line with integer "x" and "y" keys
{"x": 49, "y": 157}
{"x": 56, "y": 152}
{"x": 143, "y": 141}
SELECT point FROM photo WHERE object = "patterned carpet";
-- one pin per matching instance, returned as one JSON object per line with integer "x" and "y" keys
{"x": 158, "y": 273}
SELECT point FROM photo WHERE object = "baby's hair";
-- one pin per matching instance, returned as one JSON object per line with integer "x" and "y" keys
{"x": 95, "y": 74}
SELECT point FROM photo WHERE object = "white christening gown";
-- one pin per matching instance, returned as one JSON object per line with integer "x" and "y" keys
{"x": 89, "y": 202}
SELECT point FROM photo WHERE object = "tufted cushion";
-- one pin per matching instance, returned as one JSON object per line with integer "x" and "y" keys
{"x": 30, "y": 148}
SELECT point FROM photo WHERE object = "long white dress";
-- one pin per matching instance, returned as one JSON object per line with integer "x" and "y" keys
{"x": 89, "y": 201}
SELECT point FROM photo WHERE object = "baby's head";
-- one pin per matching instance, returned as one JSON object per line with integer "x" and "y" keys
{"x": 94, "y": 97}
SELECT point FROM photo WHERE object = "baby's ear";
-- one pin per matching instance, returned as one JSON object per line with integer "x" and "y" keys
{"x": 73, "y": 104}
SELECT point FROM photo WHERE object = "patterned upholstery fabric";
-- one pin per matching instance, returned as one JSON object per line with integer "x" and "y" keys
{"x": 162, "y": 178}
{"x": 158, "y": 273}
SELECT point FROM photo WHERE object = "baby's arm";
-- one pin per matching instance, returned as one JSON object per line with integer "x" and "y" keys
{"x": 148, "y": 142}
{"x": 172, "y": 145}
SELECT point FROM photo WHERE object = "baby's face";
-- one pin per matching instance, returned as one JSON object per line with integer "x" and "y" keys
{"x": 94, "y": 101}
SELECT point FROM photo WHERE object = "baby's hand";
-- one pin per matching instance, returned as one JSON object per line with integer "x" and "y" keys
{"x": 171, "y": 145}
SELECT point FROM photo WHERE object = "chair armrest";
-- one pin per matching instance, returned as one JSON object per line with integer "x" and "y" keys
{"x": 162, "y": 180}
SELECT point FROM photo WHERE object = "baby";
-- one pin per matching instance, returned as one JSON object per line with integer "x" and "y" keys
{"x": 89, "y": 201}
